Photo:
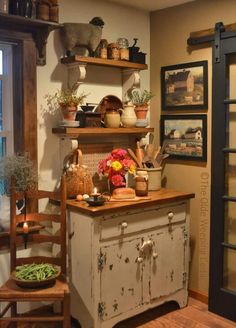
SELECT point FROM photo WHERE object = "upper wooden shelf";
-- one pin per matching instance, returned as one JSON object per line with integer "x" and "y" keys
{"x": 103, "y": 62}
{"x": 39, "y": 30}
{"x": 24, "y": 22}
{"x": 88, "y": 132}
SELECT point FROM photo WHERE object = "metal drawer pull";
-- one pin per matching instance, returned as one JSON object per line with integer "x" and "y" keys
{"x": 170, "y": 215}
{"x": 146, "y": 244}
{"x": 154, "y": 255}
{"x": 124, "y": 225}
{"x": 139, "y": 259}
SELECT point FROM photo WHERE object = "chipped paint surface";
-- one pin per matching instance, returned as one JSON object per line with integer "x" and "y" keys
{"x": 144, "y": 267}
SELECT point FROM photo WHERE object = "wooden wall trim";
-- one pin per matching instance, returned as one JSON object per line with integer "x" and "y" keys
{"x": 202, "y": 297}
{"x": 29, "y": 98}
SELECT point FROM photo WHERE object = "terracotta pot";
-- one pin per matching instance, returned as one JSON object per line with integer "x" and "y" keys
{"x": 69, "y": 112}
{"x": 141, "y": 112}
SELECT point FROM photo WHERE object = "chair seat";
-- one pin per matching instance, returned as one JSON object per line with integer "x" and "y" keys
{"x": 11, "y": 292}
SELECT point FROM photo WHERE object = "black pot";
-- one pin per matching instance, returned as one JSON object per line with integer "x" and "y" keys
{"x": 81, "y": 118}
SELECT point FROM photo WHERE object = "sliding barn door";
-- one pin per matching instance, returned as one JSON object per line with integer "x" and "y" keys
{"x": 222, "y": 290}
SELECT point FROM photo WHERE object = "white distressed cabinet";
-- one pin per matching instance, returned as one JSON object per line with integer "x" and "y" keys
{"x": 125, "y": 260}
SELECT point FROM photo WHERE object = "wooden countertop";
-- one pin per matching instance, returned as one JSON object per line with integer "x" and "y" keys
{"x": 161, "y": 196}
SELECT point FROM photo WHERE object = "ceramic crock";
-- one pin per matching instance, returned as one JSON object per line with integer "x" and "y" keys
{"x": 128, "y": 116}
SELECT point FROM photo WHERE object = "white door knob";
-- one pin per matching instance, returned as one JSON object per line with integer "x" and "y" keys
{"x": 124, "y": 225}
{"x": 170, "y": 215}
{"x": 154, "y": 255}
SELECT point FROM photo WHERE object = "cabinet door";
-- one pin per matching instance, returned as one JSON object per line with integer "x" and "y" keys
{"x": 121, "y": 276}
{"x": 167, "y": 262}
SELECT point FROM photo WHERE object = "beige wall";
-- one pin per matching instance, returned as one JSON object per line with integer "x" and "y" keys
{"x": 170, "y": 30}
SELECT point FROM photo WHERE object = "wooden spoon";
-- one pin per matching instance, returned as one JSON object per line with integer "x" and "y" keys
{"x": 139, "y": 153}
{"x": 134, "y": 157}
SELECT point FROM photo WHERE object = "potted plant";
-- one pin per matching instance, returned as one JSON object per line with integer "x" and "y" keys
{"x": 23, "y": 170}
{"x": 67, "y": 101}
{"x": 141, "y": 100}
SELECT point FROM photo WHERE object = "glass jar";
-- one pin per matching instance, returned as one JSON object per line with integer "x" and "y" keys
{"x": 113, "y": 51}
{"x": 141, "y": 183}
{"x": 103, "y": 49}
{"x": 4, "y": 6}
{"x": 123, "y": 48}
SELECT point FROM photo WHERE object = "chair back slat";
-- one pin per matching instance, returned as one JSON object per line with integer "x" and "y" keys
{"x": 38, "y": 260}
{"x": 40, "y": 194}
{"x": 38, "y": 217}
{"x": 32, "y": 216}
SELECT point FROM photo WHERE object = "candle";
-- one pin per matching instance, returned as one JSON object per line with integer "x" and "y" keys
{"x": 95, "y": 194}
{"x": 25, "y": 227}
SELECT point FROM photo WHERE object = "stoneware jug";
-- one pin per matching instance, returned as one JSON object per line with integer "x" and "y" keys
{"x": 112, "y": 118}
{"x": 128, "y": 116}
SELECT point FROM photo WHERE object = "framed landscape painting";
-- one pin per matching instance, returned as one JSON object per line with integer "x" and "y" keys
{"x": 185, "y": 86}
{"x": 184, "y": 136}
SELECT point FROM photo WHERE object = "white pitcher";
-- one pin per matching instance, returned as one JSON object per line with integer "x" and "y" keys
{"x": 5, "y": 212}
{"x": 128, "y": 116}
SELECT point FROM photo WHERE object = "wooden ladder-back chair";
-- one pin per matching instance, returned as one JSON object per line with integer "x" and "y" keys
{"x": 59, "y": 291}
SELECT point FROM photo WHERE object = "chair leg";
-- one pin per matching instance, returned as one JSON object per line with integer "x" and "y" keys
{"x": 66, "y": 311}
{"x": 13, "y": 314}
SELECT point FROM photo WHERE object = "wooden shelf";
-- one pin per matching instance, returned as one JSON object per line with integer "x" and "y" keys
{"x": 103, "y": 62}
{"x": 24, "y": 22}
{"x": 88, "y": 132}
{"x": 39, "y": 30}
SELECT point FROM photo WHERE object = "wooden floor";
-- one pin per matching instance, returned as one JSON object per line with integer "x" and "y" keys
{"x": 195, "y": 315}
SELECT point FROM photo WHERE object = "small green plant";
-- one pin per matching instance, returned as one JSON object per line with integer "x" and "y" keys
{"x": 64, "y": 98}
{"x": 22, "y": 169}
{"x": 139, "y": 97}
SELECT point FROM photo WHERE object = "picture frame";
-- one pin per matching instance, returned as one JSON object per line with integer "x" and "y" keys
{"x": 184, "y": 136}
{"x": 185, "y": 86}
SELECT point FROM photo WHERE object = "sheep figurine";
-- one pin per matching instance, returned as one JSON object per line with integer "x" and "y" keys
{"x": 82, "y": 35}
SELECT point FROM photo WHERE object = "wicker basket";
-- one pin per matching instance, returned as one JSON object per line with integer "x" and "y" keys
{"x": 78, "y": 178}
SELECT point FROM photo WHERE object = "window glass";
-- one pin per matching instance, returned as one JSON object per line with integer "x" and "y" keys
{"x": 6, "y": 104}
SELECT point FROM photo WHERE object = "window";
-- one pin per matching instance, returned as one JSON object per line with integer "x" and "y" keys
{"x": 6, "y": 103}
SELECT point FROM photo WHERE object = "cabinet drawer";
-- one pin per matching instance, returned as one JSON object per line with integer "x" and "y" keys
{"x": 136, "y": 221}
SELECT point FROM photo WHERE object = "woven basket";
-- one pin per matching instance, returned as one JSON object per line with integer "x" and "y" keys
{"x": 78, "y": 178}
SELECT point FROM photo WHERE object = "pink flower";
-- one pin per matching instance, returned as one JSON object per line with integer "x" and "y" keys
{"x": 117, "y": 180}
{"x": 118, "y": 153}
{"x": 116, "y": 165}
{"x": 127, "y": 162}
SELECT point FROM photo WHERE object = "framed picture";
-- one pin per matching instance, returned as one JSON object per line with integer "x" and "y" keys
{"x": 184, "y": 136}
{"x": 185, "y": 86}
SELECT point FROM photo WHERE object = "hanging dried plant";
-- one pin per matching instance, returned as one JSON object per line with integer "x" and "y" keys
{"x": 22, "y": 169}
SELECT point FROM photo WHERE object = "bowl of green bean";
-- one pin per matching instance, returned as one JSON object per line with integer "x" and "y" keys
{"x": 35, "y": 275}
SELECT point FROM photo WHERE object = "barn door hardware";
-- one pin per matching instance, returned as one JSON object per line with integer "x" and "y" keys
{"x": 214, "y": 36}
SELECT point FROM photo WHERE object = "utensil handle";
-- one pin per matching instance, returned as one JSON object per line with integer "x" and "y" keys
{"x": 134, "y": 157}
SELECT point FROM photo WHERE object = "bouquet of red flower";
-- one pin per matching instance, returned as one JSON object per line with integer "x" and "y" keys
{"x": 116, "y": 165}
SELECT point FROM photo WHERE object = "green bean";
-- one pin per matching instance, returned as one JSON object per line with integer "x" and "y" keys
{"x": 35, "y": 271}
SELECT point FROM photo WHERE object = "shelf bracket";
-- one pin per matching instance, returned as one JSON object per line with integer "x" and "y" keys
{"x": 76, "y": 74}
{"x": 130, "y": 80}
